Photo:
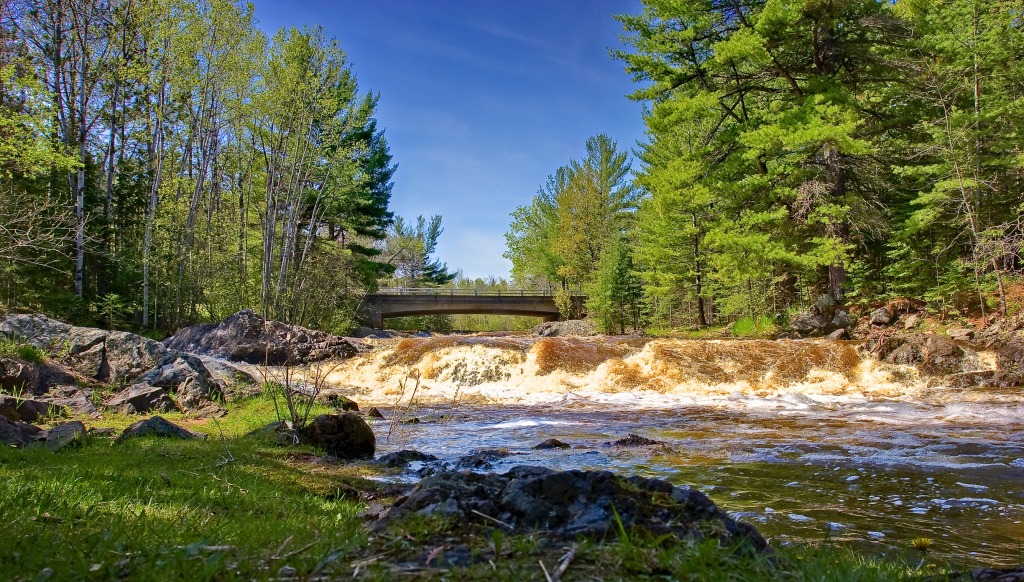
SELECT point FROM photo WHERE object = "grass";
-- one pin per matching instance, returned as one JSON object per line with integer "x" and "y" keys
{"x": 14, "y": 349}
{"x": 239, "y": 506}
{"x": 754, "y": 327}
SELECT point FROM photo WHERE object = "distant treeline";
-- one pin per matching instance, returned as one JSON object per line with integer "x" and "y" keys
{"x": 794, "y": 147}
{"x": 163, "y": 161}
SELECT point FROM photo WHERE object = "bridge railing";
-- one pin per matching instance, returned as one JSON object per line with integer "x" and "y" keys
{"x": 457, "y": 292}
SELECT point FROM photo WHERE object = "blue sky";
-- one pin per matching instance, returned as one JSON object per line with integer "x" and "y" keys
{"x": 480, "y": 100}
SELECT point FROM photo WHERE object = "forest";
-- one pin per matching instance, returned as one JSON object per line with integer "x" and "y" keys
{"x": 164, "y": 162}
{"x": 869, "y": 150}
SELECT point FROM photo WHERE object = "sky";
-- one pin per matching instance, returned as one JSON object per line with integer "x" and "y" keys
{"x": 480, "y": 100}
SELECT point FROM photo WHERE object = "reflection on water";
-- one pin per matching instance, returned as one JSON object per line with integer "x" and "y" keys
{"x": 803, "y": 438}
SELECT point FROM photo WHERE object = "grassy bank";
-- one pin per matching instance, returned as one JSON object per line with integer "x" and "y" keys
{"x": 239, "y": 506}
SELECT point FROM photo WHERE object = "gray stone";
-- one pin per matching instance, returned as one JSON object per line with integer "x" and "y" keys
{"x": 960, "y": 334}
{"x": 881, "y": 316}
{"x": 838, "y": 334}
{"x": 572, "y": 327}
{"x": 139, "y": 399}
{"x": 185, "y": 376}
{"x": 345, "y": 436}
{"x": 26, "y": 409}
{"x": 336, "y": 398}
{"x": 403, "y": 458}
{"x": 932, "y": 354}
{"x": 551, "y": 444}
{"x": 19, "y": 434}
{"x": 843, "y": 320}
{"x": 247, "y": 337}
{"x": 15, "y": 376}
{"x": 913, "y": 320}
{"x": 158, "y": 426}
{"x": 808, "y": 323}
{"x": 65, "y": 435}
{"x": 825, "y": 304}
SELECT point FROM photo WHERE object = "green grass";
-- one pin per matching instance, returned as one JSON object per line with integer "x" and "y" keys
{"x": 754, "y": 327}
{"x": 238, "y": 506}
{"x": 14, "y": 349}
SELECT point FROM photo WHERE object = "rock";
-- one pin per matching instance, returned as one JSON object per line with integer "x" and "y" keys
{"x": 26, "y": 409}
{"x": 345, "y": 436}
{"x": 571, "y": 504}
{"x": 980, "y": 575}
{"x": 838, "y": 334}
{"x": 185, "y": 376}
{"x": 932, "y": 354}
{"x": 960, "y": 334}
{"x": 19, "y": 434}
{"x": 236, "y": 381}
{"x": 881, "y": 316}
{"x": 913, "y": 320}
{"x": 335, "y": 398}
{"x": 107, "y": 356}
{"x": 247, "y": 337}
{"x": 843, "y": 320}
{"x": 75, "y": 400}
{"x": 481, "y": 459}
{"x": 808, "y": 323}
{"x": 1010, "y": 363}
{"x": 374, "y": 413}
{"x": 15, "y": 376}
{"x": 635, "y": 440}
{"x": 102, "y": 432}
{"x": 65, "y": 435}
{"x": 551, "y": 444}
{"x": 403, "y": 458}
{"x": 158, "y": 426}
{"x": 825, "y": 305}
{"x": 139, "y": 399}
{"x": 579, "y": 327}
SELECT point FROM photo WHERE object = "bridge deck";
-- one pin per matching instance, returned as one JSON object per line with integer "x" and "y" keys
{"x": 402, "y": 302}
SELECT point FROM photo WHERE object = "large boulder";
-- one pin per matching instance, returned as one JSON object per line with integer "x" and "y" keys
{"x": 160, "y": 427}
{"x": 346, "y": 436}
{"x": 115, "y": 357}
{"x": 580, "y": 327}
{"x": 573, "y": 503}
{"x": 15, "y": 376}
{"x": 77, "y": 401}
{"x": 247, "y": 337}
{"x": 932, "y": 354}
{"x": 19, "y": 434}
{"x": 808, "y": 323}
{"x": 185, "y": 376}
{"x": 140, "y": 399}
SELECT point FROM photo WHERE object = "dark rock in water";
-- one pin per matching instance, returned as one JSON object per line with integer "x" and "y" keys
{"x": 346, "y": 436}
{"x": 161, "y": 427}
{"x": 247, "y": 337}
{"x": 65, "y": 435}
{"x": 26, "y": 409}
{"x": 140, "y": 399}
{"x": 580, "y": 327}
{"x": 481, "y": 459}
{"x": 19, "y": 434}
{"x": 551, "y": 444}
{"x": 933, "y": 354}
{"x": 335, "y": 398}
{"x": 881, "y": 316}
{"x": 573, "y": 503}
{"x": 374, "y": 413}
{"x": 413, "y": 420}
{"x": 635, "y": 440}
{"x": 403, "y": 458}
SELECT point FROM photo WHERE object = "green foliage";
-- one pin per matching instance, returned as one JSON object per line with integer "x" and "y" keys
{"x": 751, "y": 327}
{"x": 11, "y": 348}
{"x": 615, "y": 298}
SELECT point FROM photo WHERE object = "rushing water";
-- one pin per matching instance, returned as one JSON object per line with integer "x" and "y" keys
{"x": 802, "y": 438}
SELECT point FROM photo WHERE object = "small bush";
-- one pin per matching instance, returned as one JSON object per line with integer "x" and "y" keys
{"x": 30, "y": 353}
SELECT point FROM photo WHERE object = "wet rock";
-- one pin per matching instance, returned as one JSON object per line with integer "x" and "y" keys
{"x": 19, "y": 434}
{"x": 571, "y": 504}
{"x": 881, "y": 316}
{"x": 66, "y": 435}
{"x": 1010, "y": 362}
{"x": 345, "y": 436}
{"x": 374, "y": 413}
{"x": 481, "y": 459}
{"x": 161, "y": 427}
{"x": 403, "y": 458}
{"x": 932, "y": 354}
{"x": 579, "y": 327}
{"x": 140, "y": 399}
{"x": 551, "y": 444}
{"x": 247, "y": 337}
{"x": 26, "y": 409}
{"x": 635, "y": 440}
{"x": 335, "y": 398}
{"x": 960, "y": 334}
{"x": 838, "y": 334}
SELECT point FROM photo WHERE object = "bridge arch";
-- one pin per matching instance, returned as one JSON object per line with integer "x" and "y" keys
{"x": 405, "y": 301}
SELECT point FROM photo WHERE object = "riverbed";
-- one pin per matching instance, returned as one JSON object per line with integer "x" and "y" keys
{"x": 806, "y": 439}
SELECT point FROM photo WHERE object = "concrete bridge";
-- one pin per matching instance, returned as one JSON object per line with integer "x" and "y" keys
{"x": 406, "y": 301}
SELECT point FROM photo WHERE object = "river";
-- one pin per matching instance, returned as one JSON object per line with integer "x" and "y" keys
{"x": 806, "y": 439}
